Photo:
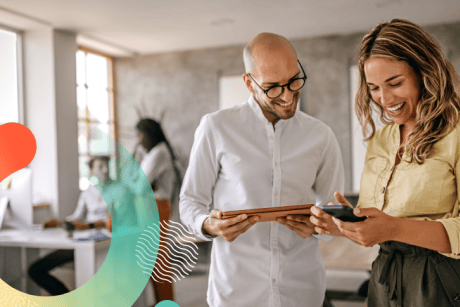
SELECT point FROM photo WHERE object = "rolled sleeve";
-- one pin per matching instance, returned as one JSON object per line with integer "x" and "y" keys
{"x": 452, "y": 227}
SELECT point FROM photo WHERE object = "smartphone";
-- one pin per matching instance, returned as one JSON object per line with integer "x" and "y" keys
{"x": 343, "y": 213}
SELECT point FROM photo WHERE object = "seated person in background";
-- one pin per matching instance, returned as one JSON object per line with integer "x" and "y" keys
{"x": 91, "y": 212}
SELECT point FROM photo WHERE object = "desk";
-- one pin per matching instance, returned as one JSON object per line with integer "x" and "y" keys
{"x": 89, "y": 255}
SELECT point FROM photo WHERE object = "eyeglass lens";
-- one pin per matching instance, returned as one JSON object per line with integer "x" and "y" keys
{"x": 295, "y": 85}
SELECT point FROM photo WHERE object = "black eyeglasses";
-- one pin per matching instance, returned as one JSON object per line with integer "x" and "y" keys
{"x": 278, "y": 90}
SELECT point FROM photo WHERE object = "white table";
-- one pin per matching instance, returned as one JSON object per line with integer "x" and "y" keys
{"x": 89, "y": 255}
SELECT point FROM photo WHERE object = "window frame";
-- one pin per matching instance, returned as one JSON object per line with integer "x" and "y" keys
{"x": 20, "y": 71}
{"x": 112, "y": 106}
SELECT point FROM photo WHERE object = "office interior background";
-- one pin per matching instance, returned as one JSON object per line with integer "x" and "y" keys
{"x": 80, "y": 65}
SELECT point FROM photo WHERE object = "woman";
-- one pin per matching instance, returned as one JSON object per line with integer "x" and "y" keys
{"x": 158, "y": 164}
{"x": 411, "y": 179}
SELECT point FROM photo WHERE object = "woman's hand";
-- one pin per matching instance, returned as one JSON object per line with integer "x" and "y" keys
{"x": 377, "y": 228}
{"x": 323, "y": 222}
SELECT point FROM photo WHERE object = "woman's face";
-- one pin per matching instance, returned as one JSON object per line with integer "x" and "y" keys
{"x": 394, "y": 86}
{"x": 141, "y": 139}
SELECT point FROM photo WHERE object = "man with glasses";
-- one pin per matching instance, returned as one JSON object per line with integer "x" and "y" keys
{"x": 263, "y": 153}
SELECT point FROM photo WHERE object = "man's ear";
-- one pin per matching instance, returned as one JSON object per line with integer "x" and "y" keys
{"x": 248, "y": 82}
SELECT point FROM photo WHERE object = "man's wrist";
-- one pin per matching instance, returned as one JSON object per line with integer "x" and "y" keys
{"x": 204, "y": 232}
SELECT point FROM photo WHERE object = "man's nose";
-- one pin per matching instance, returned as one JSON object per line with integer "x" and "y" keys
{"x": 287, "y": 95}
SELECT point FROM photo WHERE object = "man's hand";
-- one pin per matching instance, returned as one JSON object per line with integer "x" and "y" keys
{"x": 300, "y": 224}
{"x": 52, "y": 223}
{"x": 228, "y": 229}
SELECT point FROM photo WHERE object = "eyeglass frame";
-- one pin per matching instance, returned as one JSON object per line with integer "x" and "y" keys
{"x": 282, "y": 86}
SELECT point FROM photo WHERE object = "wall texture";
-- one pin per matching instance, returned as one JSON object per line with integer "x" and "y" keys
{"x": 181, "y": 87}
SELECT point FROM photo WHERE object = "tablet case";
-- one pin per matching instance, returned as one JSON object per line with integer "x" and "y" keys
{"x": 270, "y": 213}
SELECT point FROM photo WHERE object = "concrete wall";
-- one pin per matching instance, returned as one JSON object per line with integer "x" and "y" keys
{"x": 184, "y": 85}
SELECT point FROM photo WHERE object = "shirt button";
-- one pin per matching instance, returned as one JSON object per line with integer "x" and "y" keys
{"x": 383, "y": 190}
{"x": 392, "y": 168}
{"x": 273, "y": 280}
{"x": 276, "y": 163}
{"x": 275, "y": 250}
{"x": 276, "y": 193}
{"x": 270, "y": 137}
{"x": 274, "y": 223}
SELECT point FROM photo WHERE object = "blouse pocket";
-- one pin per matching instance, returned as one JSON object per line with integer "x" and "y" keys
{"x": 373, "y": 169}
{"x": 424, "y": 189}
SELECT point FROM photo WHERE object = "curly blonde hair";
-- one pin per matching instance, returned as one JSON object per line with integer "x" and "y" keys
{"x": 438, "y": 109}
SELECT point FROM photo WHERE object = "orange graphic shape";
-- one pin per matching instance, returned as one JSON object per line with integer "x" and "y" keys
{"x": 17, "y": 148}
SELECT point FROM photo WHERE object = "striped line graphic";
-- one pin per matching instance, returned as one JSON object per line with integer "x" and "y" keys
{"x": 176, "y": 252}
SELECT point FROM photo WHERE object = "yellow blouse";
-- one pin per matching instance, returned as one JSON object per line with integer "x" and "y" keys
{"x": 422, "y": 192}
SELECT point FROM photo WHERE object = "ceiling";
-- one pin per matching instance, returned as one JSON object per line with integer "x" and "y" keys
{"x": 151, "y": 26}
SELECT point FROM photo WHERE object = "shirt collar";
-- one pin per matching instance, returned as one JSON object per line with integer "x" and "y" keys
{"x": 257, "y": 109}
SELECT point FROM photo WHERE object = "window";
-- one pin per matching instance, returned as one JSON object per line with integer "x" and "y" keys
{"x": 95, "y": 102}
{"x": 10, "y": 102}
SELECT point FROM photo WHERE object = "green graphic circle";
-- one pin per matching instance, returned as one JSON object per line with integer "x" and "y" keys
{"x": 120, "y": 280}
{"x": 167, "y": 304}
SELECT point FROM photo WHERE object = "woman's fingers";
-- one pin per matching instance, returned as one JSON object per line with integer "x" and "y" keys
{"x": 342, "y": 200}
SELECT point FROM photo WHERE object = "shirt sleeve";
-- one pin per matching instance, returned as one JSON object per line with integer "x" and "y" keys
{"x": 200, "y": 178}
{"x": 80, "y": 212}
{"x": 330, "y": 175}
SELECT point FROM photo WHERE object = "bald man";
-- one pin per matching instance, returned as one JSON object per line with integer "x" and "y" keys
{"x": 263, "y": 153}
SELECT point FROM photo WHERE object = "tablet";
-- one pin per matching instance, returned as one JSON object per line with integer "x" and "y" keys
{"x": 270, "y": 213}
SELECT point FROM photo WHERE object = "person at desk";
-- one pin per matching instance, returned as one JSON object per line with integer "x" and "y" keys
{"x": 91, "y": 212}
{"x": 259, "y": 154}
{"x": 410, "y": 186}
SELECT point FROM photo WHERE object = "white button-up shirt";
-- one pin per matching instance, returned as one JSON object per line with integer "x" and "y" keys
{"x": 158, "y": 166}
{"x": 239, "y": 161}
{"x": 91, "y": 207}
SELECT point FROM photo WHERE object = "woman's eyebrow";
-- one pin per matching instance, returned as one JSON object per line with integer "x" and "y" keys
{"x": 387, "y": 80}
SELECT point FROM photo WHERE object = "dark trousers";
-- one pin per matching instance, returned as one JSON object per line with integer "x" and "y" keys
{"x": 407, "y": 275}
{"x": 39, "y": 271}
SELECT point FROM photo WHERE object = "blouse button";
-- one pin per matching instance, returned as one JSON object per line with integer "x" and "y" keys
{"x": 383, "y": 190}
